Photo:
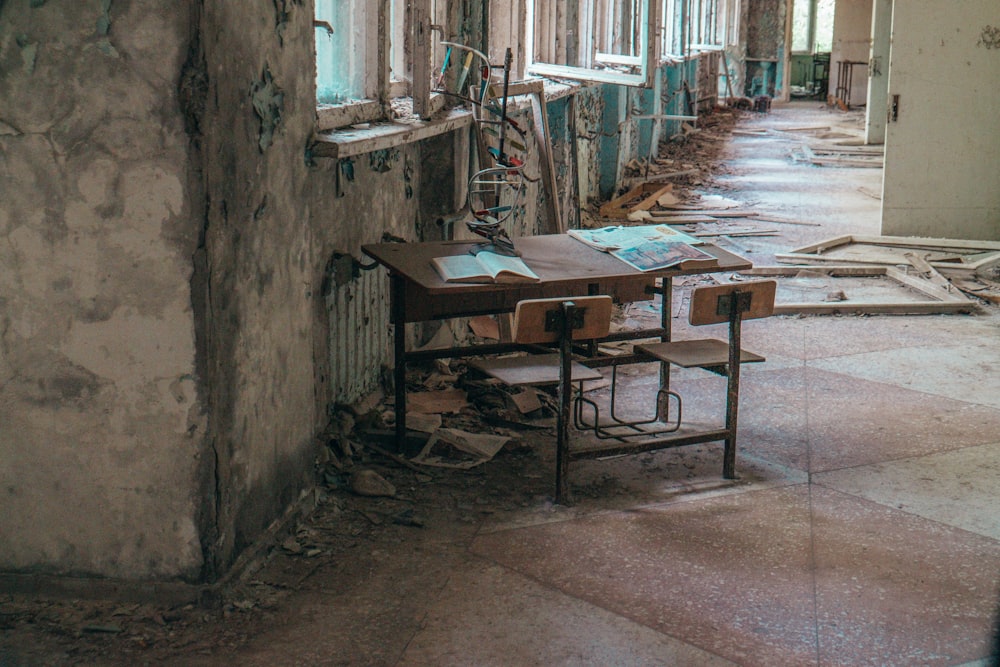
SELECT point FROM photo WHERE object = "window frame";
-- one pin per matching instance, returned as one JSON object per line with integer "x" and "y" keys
{"x": 382, "y": 84}
{"x": 648, "y": 48}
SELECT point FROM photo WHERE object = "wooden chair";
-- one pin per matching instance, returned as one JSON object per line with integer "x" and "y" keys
{"x": 730, "y": 303}
{"x": 545, "y": 321}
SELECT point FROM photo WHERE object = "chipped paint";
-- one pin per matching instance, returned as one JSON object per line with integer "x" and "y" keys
{"x": 268, "y": 103}
{"x": 104, "y": 20}
{"x": 989, "y": 38}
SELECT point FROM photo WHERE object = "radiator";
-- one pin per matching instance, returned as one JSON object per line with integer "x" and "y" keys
{"x": 360, "y": 343}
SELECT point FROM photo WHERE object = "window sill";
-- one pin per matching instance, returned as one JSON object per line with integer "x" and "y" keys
{"x": 349, "y": 142}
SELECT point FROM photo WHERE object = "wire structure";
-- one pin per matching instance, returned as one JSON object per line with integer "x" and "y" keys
{"x": 497, "y": 191}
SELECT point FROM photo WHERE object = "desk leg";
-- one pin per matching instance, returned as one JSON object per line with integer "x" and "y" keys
{"x": 666, "y": 317}
{"x": 398, "y": 301}
{"x": 732, "y": 392}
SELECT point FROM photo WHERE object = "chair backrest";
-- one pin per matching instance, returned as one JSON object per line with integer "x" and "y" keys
{"x": 710, "y": 305}
{"x": 536, "y": 320}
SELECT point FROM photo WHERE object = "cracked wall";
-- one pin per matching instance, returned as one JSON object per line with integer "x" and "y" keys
{"x": 101, "y": 422}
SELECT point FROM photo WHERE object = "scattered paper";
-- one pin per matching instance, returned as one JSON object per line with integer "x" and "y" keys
{"x": 526, "y": 401}
{"x": 454, "y": 448}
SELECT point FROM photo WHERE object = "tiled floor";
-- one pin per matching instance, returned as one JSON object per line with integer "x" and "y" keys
{"x": 864, "y": 529}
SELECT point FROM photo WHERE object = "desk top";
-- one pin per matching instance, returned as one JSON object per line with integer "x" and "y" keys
{"x": 556, "y": 258}
{"x": 565, "y": 266}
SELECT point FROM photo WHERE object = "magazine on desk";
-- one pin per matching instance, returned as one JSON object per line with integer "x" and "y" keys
{"x": 664, "y": 253}
{"x": 647, "y": 247}
{"x": 483, "y": 267}
{"x": 611, "y": 238}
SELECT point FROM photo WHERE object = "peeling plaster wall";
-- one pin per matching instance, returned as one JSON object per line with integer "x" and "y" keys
{"x": 765, "y": 34}
{"x": 259, "y": 281}
{"x": 168, "y": 246}
{"x": 101, "y": 419}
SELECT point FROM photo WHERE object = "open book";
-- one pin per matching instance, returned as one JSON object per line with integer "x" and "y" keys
{"x": 483, "y": 267}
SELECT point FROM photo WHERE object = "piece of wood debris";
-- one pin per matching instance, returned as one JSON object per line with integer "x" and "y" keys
{"x": 659, "y": 178}
{"x": 942, "y": 302}
{"x": 679, "y": 219}
{"x": 438, "y": 402}
{"x": 667, "y": 199}
{"x": 837, "y": 295}
{"x": 925, "y": 270}
{"x": 806, "y": 130}
{"x": 743, "y": 231}
{"x": 640, "y": 198}
{"x": 485, "y": 326}
{"x": 786, "y": 221}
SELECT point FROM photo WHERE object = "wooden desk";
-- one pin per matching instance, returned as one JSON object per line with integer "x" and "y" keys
{"x": 566, "y": 267}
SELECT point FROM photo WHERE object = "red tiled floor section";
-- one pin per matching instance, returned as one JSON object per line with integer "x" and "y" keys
{"x": 775, "y": 577}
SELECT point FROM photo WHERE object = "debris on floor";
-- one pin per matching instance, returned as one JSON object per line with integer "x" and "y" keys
{"x": 858, "y": 290}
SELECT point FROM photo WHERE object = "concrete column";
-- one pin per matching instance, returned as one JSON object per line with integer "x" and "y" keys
{"x": 878, "y": 79}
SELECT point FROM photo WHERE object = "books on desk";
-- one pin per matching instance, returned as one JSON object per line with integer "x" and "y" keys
{"x": 483, "y": 267}
{"x": 647, "y": 247}
{"x": 662, "y": 254}
{"x": 616, "y": 237}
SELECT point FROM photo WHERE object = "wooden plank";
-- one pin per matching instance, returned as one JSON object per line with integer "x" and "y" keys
{"x": 677, "y": 219}
{"x": 640, "y": 198}
{"x": 351, "y": 142}
{"x": 545, "y": 160}
{"x": 930, "y": 273}
{"x": 737, "y": 232}
{"x": 659, "y": 178}
{"x": 925, "y": 286}
{"x": 825, "y": 270}
{"x": 886, "y": 308}
{"x": 980, "y": 254}
{"x": 912, "y": 242}
{"x": 943, "y": 303}
{"x": 785, "y": 221}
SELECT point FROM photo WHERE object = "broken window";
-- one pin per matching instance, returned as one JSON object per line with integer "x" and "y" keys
{"x": 369, "y": 53}
{"x": 609, "y": 41}
{"x": 701, "y": 24}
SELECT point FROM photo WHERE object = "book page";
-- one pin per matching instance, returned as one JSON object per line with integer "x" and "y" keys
{"x": 506, "y": 269}
{"x": 461, "y": 269}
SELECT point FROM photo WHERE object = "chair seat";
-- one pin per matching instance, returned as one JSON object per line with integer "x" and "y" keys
{"x": 695, "y": 353}
{"x": 531, "y": 369}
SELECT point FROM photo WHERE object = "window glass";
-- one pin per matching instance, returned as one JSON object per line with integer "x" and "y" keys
{"x": 340, "y": 64}
{"x": 824, "y": 26}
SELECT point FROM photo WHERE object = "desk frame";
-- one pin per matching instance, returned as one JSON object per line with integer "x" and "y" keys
{"x": 567, "y": 268}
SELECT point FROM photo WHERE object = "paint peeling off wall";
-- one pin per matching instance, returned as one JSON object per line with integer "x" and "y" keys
{"x": 101, "y": 421}
{"x": 989, "y": 38}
